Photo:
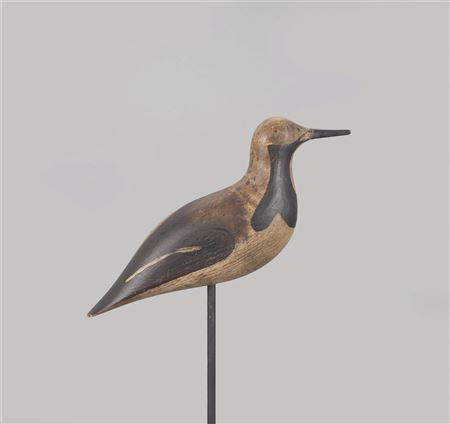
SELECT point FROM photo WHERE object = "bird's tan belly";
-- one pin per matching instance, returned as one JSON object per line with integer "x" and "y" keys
{"x": 251, "y": 253}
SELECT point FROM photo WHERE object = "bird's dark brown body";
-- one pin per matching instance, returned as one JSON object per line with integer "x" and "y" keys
{"x": 224, "y": 235}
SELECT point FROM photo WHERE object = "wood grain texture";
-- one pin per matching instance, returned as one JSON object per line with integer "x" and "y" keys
{"x": 226, "y": 234}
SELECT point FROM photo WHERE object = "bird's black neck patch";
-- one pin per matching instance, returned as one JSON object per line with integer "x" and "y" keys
{"x": 280, "y": 197}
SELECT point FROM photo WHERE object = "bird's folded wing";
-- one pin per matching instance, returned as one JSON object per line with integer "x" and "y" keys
{"x": 165, "y": 256}
{"x": 198, "y": 249}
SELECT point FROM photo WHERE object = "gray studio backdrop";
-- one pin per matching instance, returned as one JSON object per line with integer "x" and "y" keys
{"x": 117, "y": 114}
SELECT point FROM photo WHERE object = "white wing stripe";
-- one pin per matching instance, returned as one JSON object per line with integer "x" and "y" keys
{"x": 155, "y": 261}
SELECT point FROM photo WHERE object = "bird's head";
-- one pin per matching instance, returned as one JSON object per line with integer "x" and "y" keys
{"x": 281, "y": 131}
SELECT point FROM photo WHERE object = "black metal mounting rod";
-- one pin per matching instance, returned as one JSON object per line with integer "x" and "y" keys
{"x": 211, "y": 354}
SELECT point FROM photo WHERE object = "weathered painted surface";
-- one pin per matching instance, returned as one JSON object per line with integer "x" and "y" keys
{"x": 224, "y": 235}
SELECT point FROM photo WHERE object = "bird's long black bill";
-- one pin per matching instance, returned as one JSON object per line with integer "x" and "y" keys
{"x": 329, "y": 133}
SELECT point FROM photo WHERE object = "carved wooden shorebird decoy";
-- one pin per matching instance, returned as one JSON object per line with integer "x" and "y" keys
{"x": 226, "y": 234}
